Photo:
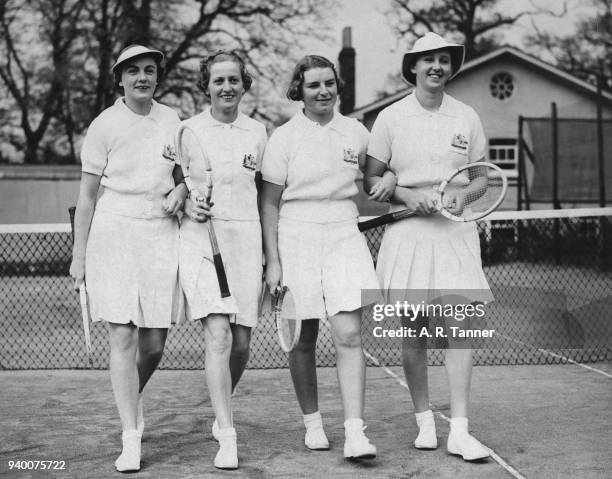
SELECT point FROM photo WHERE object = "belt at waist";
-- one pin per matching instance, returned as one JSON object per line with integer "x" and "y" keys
{"x": 319, "y": 211}
{"x": 142, "y": 205}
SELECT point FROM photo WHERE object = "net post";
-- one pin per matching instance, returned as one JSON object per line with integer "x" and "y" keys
{"x": 600, "y": 139}
{"x": 606, "y": 249}
{"x": 555, "y": 161}
{"x": 521, "y": 168}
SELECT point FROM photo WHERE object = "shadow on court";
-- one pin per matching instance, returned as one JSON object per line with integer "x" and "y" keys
{"x": 543, "y": 421}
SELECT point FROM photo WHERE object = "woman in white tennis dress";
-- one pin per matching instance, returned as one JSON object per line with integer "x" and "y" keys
{"x": 234, "y": 145}
{"x": 420, "y": 139}
{"x": 126, "y": 243}
{"x": 313, "y": 246}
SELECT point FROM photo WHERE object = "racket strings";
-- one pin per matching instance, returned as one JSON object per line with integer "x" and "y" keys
{"x": 480, "y": 191}
{"x": 288, "y": 327}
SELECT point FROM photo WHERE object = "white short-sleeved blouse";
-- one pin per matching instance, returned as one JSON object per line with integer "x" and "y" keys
{"x": 422, "y": 147}
{"x": 318, "y": 166}
{"x": 234, "y": 151}
{"x": 131, "y": 153}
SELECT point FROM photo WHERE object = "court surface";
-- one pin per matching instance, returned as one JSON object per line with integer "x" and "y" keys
{"x": 549, "y": 421}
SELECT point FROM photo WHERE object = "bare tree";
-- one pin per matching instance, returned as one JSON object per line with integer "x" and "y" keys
{"x": 473, "y": 22}
{"x": 66, "y": 81}
{"x": 36, "y": 81}
{"x": 585, "y": 52}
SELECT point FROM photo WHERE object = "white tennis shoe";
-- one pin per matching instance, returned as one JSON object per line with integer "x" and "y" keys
{"x": 467, "y": 446}
{"x": 315, "y": 438}
{"x": 227, "y": 456}
{"x": 426, "y": 438}
{"x": 129, "y": 460}
{"x": 356, "y": 444}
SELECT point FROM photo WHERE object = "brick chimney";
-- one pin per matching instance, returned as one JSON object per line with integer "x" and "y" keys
{"x": 346, "y": 60}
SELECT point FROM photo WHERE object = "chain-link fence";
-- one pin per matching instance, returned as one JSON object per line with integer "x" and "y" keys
{"x": 550, "y": 276}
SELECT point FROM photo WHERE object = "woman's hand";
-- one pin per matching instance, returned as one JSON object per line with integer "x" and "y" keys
{"x": 384, "y": 188}
{"x": 274, "y": 276}
{"x": 174, "y": 201}
{"x": 454, "y": 202}
{"x": 77, "y": 272}
{"x": 198, "y": 211}
{"x": 418, "y": 201}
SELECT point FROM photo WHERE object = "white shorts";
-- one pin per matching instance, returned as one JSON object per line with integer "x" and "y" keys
{"x": 432, "y": 253}
{"x": 132, "y": 270}
{"x": 326, "y": 266}
{"x": 240, "y": 246}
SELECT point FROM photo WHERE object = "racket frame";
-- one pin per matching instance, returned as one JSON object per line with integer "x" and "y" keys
{"x": 85, "y": 317}
{"x": 407, "y": 213}
{"x": 217, "y": 258}
{"x": 83, "y": 301}
{"x": 447, "y": 181}
{"x": 277, "y": 308}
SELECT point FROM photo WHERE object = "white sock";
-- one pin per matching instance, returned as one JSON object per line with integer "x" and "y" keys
{"x": 313, "y": 419}
{"x": 354, "y": 424}
{"x": 422, "y": 417}
{"x": 459, "y": 425}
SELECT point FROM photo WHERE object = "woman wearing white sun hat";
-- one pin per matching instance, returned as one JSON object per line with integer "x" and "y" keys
{"x": 126, "y": 241}
{"x": 416, "y": 138}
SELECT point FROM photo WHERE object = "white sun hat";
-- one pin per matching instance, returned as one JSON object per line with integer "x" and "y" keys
{"x": 427, "y": 43}
{"x": 135, "y": 51}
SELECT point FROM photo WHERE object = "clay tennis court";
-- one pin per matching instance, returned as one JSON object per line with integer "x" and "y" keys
{"x": 541, "y": 392}
{"x": 541, "y": 421}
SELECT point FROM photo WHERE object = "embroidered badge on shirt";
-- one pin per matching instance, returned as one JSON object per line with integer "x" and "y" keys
{"x": 249, "y": 161}
{"x": 350, "y": 156}
{"x": 459, "y": 141}
{"x": 168, "y": 153}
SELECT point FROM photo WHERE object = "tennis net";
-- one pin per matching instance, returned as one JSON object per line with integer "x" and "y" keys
{"x": 550, "y": 272}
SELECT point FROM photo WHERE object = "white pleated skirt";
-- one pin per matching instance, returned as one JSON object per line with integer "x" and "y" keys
{"x": 132, "y": 270}
{"x": 241, "y": 249}
{"x": 432, "y": 254}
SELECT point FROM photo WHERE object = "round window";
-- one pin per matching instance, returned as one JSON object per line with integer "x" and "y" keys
{"x": 502, "y": 86}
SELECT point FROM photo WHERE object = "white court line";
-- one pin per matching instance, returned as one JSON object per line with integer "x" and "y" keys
{"x": 555, "y": 355}
{"x": 513, "y": 472}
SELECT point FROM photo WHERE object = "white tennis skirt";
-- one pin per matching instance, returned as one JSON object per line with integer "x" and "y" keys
{"x": 241, "y": 249}
{"x": 326, "y": 266}
{"x": 132, "y": 270}
{"x": 432, "y": 253}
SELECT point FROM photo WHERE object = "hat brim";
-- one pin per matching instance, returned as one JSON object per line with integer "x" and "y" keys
{"x": 157, "y": 55}
{"x": 457, "y": 53}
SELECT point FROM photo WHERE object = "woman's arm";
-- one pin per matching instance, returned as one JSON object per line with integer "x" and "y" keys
{"x": 175, "y": 199}
{"x": 88, "y": 193}
{"x": 270, "y": 201}
{"x": 379, "y": 181}
{"x": 414, "y": 200}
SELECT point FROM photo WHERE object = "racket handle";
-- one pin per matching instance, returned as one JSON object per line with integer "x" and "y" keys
{"x": 374, "y": 222}
{"x": 221, "y": 277}
{"x": 71, "y": 212}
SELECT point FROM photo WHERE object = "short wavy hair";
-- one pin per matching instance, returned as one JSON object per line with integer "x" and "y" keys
{"x": 294, "y": 92}
{"x": 223, "y": 56}
{"x": 118, "y": 72}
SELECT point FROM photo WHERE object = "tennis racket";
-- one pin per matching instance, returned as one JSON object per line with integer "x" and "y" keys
{"x": 83, "y": 300}
{"x": 188, "y": 149}
{"x": 85, "y": 317}
{"x": 468, "y": 193}
{"x": 288, "y": 326}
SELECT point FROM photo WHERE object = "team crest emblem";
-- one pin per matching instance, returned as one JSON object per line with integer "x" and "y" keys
{"x": 459, "y": 141}
{"x": 168, "y": 153}
{"x": 249, "y": 161}
{"x": 350, "y": 156}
